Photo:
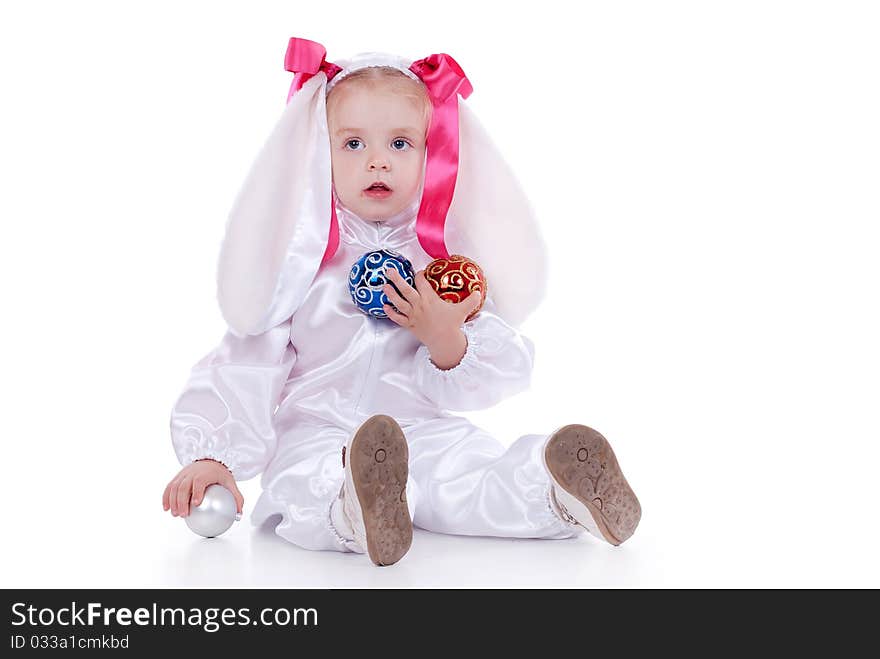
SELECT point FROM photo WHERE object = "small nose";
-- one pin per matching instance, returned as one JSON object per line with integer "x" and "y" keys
{"x": 377, "y": 162}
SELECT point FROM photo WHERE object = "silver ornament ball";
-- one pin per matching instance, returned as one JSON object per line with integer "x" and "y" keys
{"x": 215, "y": 514}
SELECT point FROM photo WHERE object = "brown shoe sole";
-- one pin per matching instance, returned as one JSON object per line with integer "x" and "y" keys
{"x": 582, "y": 462}
{"x": 379, "y": 468}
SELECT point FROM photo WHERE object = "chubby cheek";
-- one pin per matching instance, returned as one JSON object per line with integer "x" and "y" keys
{"x": 343, "y": 178}
{"x": 414, "y": 179}
{"x": 337, "y": 169}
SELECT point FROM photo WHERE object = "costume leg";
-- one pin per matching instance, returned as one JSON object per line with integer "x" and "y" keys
{"x": 469, "y": 483}
{"x": 304, "y": 479}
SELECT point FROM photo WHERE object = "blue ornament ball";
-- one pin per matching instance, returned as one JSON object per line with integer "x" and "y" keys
{"x": 367, "y": 277}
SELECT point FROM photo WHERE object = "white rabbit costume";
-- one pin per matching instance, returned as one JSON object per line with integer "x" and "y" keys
{"x": 301, "y": 367}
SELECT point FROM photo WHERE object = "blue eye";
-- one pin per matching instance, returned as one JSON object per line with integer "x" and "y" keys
{"x": 402, "y": 144}
{"x": 356, "y": 142}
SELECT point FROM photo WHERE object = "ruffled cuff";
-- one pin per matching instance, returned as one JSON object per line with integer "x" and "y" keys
{"x": 461, "y": 387}
{"x": 468, "y": 360}
{"x": 196, "y": 445}
{"x": 497, "y": 363}
{"x": 337, "y": 528}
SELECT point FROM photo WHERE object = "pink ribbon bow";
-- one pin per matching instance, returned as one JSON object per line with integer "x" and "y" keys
{"x": 445, "y": 81}
{"x": 305, "y": 58}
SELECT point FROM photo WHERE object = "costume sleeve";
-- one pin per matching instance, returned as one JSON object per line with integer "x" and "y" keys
{"x": 227, "y": 408}
{"x": 497, "y": 363}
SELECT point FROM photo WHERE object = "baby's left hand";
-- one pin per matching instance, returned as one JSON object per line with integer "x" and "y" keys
{"x": 431, "y": 318}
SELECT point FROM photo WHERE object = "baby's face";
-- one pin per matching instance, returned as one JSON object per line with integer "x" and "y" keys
{"x": 376, "y": 135}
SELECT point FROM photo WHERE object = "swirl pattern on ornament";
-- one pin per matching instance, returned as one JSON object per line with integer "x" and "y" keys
{"x": 367, "y": 277}
{"x": 455, "y": 278}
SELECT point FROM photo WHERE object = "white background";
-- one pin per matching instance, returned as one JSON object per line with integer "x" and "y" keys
{"x": 706, "y": 175}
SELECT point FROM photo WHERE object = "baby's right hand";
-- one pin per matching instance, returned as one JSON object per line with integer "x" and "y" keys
{"x": 191, "y": 482}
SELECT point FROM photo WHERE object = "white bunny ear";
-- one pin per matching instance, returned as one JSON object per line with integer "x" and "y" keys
{"x": 278, "y": 228}
{"x": 491, "y": 221}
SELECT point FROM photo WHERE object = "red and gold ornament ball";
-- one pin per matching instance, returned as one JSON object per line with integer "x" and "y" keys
{"x": 455, "y": 278}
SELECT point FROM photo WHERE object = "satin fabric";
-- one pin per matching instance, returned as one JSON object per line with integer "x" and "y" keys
{"x": 445, "y": 80}
{"x": 327, "y": 369}
{"x": 304, "y": 58}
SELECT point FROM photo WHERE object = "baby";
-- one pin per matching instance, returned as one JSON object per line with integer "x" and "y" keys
{"x": 348, "y": 416}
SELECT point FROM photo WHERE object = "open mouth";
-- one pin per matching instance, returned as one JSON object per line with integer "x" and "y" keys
{"x": 378, "y": 190}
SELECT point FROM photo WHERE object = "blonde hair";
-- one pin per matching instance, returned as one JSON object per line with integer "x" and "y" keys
{"x": 387, "y": 77}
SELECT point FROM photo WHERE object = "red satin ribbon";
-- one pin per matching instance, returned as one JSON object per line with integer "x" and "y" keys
{"x": 445, "y": 80}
